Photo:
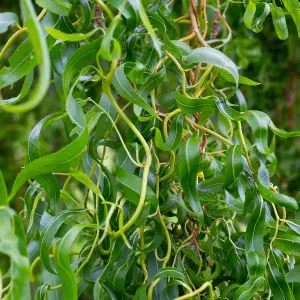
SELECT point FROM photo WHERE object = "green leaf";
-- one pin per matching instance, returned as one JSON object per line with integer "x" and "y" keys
{"x": 293, "y": 275}
{"x": 171, "y": 272}
{"x": 62, "y": 262}
{"x": 85, "y": 179}
{"x": 61, "y": 161}
{"x": 70, "y": 37}
{"x": 141, "y": 293}
{"x": 41, "y": 292}
{"x": 262, "y": 12}
{"x": 188, "y": 163}
{"x": 277, "y": 282}
{"x": 259, "y": 123}
{"x": 110, "y": 48}
{"x": 294, "y": 225}
{"x": 254, "y": 243}
{"x": 7, "y": 19}
{"x": 84, "y": 56}
{"x": 12, "y": 244}
{"x": 277, "y": 198}
{"x": 152, "y": 82}
{"x": 242, "y": 80}
{"x": 47, "y": 181}
{"x": 118, "y": 275}
{"x": 138, "y": 6}
{"x": 87, "y": 15}
{"x": 288, "y": 242}
{"x": 175, "y": 135}
{"x": 248, "y": 289}
{"x": 293, "y": 7}
{"x": 233, "y": 164}
{"x": 24, "y": 91}
{"x": 42, "y": 59}
{"x": 3, "y": 191}
{"x": 115, "y": 255}
{"x": 124, "y": 88}
{"x": 49, "y": 234}
{"x": 216, "y": 58}
{"x": 132, "y": 187}
{"x": 205, "y": 105}
{"x": 279, "y": 21}
{"x": 249, "y": 14}
{"x": 59, "y": 7}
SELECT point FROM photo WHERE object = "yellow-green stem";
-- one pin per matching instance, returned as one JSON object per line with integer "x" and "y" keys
{"x": 107, "y": 90}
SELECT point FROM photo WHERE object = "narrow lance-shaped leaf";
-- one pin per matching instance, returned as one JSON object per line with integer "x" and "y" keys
{"x": 288, "y": 242}
{"x": 3, "y": 191}
{"x": 262, "y": 12}
{"x": 249, "y": 14}
{"x": 62, "y": 8}
{"x": 124, "y": 88}
{"x": 12, "y": 244}
{"x": 276, "y": 278}
{"x": 293, "y": 275}
{"x": 23, "y": 60}
{"x": 293, "y": 7}
{"x": 216, "y": 58}
{"x": 254, "y": 242}
{"x": 188, "y": 162}
{"x": 248, "y": 289}
{"x": 42, "y": 58}
{"x": 47, "y": 181}
{"x": 138, "y": 6}
{"x": 85, "y": 55}
{"x": 24, "y": 91}
{"x": 233, "y": 164}
{"x": 190, "y": 105}
{"x": 279, "y": 21}
{"x": 175, "y": 135}
{"x": 132, "y": 187}
{"x": 70, "y": 37}
{"x": 106, "y": 51}
{"x": 259, "y": 123}
{"x": 62, "y": 262}
{"x": 49, "y": 234}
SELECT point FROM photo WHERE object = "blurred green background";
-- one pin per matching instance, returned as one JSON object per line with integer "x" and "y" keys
{"x": 260, "y": 56}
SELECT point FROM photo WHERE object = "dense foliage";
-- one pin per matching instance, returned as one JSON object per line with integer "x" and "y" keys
{"x": 147, "y": 176}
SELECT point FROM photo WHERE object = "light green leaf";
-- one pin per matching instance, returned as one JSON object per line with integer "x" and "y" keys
{"x": 138, "y": 6}
{"x": 62, "y": 262}
{"x": 49, "y": 234}
{"x": 288, "y": 242}
{"x": 242, "y": 80}
{"x": 42, "y": 59}
{"x": 279, "y": 21}
{"x": 175, "y": 135}
{"x": 124, "y": 88}
{"x": 205, "y": 105}
{"x": 70, "y": 37}
{"x": 293, "y": 7}
{"x": 216, "y": 58}
{"x": 132, "y": 187}
{"x": 277, "y": 198}
{"x": 60, "y": 7}
{"x": 293, "y": 275}
{"x": 3, "y": 191}
{"x": 85, "y": 179}
{"x": 7, "y": 19}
